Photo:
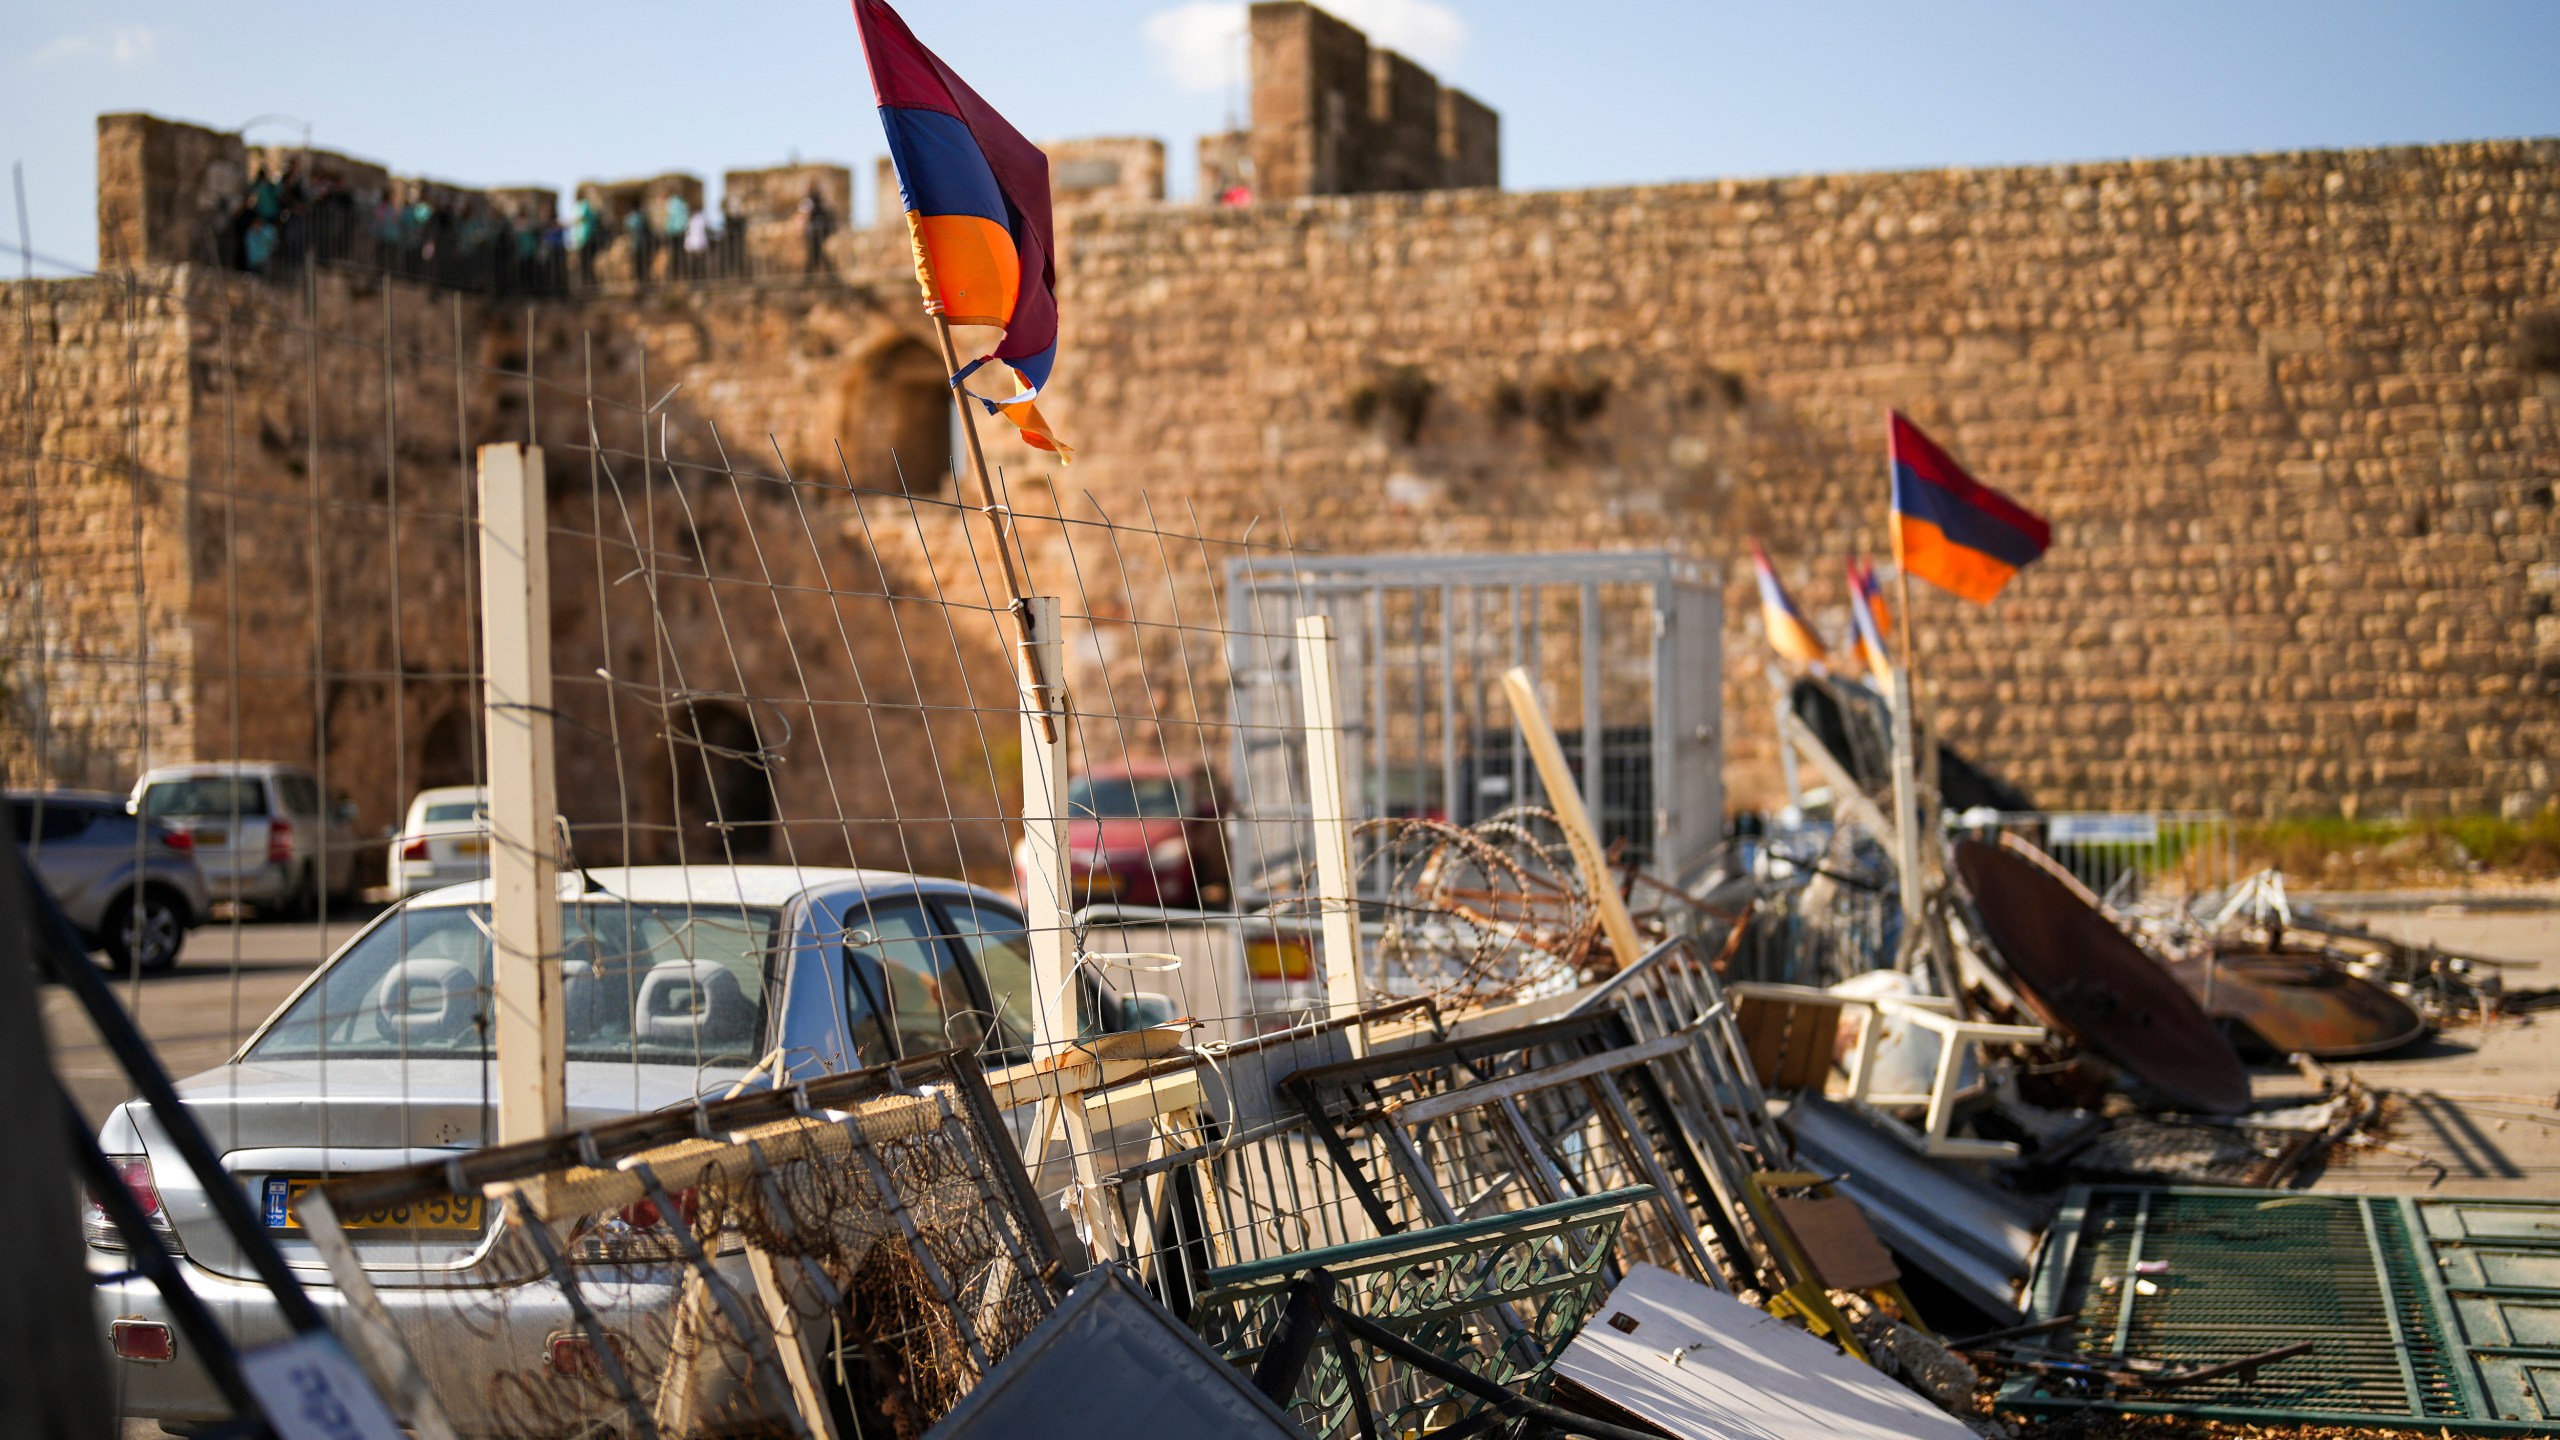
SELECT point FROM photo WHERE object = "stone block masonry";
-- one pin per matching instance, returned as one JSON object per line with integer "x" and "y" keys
{"x": 2293, "y": 417}
{"x": 2299, "y": 460}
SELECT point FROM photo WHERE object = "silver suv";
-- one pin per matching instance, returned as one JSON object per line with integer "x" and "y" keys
{"x": 262, "y": 831}
{"x": 133, "y": 888}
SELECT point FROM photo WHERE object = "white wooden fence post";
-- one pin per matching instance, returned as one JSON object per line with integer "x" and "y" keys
{"x": 1048, "y": 905}
{"x": 1045, "y": 895}
{"x": 524, "y": 867}
{"x": 1329, "y": 802}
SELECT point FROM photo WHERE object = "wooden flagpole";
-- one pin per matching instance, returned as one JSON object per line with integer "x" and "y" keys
{"x": 1906, "y": 739}
{"x": 999, "y": 517}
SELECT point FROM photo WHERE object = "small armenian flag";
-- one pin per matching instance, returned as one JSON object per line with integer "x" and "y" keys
{"x": 1950, "y": 529}
{"x": 1873, "y": 621}
{"x": 1789, "y": 635}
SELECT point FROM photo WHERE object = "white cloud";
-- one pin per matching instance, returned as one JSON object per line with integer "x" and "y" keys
{"x": 1200, "y": 45}
{"x": 123, "y": 46}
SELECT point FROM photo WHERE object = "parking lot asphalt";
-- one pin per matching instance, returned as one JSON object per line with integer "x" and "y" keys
{"x": 230, "y": 977}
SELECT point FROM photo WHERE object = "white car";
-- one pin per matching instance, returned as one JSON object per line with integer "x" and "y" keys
{"x": 675, "y": 981}
{"x": 445, "y": 840}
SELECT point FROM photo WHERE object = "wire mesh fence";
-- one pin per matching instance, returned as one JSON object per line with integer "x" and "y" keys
{"x": 803, "y": 821}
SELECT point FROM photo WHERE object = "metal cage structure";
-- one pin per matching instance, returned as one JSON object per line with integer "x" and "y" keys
{"x": 1626, "y": 646}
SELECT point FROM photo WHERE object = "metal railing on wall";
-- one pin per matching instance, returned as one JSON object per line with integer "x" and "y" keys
{"x": 2131, "y": 855}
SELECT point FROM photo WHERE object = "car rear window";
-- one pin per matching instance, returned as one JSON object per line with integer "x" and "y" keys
{"x": 301, "y": 794}
{"x": 456, "y": 810}
{"x": 205, "y": 797}
{"x": 1123, "y": 798}
{"x": 61, "y": 820}
{"x": 651, "y": 984}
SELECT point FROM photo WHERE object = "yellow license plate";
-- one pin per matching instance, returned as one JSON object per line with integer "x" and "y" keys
{"x": 442, "y": 1212}
{"x": 212, "y": 837}
{"x": 470, "y": 847}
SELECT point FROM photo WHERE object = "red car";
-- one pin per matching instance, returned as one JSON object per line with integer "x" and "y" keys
{"x": 1144, "y": 834}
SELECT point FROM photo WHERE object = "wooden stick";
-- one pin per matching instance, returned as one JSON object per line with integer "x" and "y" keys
{"x": 1580, "y": 833}
{"x": 999, "y": 518}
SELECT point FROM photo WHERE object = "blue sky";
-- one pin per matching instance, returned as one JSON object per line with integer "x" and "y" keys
{"x": 552, "y": 91}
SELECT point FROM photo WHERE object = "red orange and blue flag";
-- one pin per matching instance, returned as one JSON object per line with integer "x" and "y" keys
{"x": 977, "y": 201}
{"x": 1789, "y": 635}
{"x": 1950, "y": 529}
{"x": 1872, "y": 620}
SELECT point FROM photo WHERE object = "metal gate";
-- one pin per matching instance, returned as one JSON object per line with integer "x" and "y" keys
{"x": 1626, "y": 648}
{"x": 2422, "y": 1312}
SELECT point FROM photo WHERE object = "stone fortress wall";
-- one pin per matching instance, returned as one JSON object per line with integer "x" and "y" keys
{"x": 2292, "y": 415}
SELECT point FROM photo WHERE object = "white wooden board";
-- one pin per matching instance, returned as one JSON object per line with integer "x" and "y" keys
{"x": 1741, "y": 1373}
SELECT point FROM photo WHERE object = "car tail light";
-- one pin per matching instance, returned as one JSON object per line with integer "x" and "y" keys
{"x": 637, "y": 1234}
{"x": 573, "y": 1356}
{"x": 135, "y": 1172}
{"x": 178, "y": 840}
{"x": 415, "y": 849}
{"x": 148, "y": 1341}
{"x": 279, "y": 841}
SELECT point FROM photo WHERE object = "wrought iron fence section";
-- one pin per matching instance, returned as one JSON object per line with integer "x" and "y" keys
{"x": 1500, "y": 1296}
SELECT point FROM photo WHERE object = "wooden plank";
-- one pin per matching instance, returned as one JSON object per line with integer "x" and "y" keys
{"x": 1846, "y": 796}
{"x": 524, "y": 868}
{"x": 801, "y": 1351}
{"x": 1144, "y": 1100}
{"x": 1589, "y": 858}
{"x": 1329, "y": 801}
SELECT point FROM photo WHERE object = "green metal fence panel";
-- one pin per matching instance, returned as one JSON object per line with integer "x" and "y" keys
{"x": 2442, "y": 1313}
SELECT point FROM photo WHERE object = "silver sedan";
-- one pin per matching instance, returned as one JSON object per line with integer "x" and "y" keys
{"x": 676, "y": 981}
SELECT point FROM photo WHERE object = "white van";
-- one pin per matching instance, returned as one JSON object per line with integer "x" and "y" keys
{"x": 263, "y": 833}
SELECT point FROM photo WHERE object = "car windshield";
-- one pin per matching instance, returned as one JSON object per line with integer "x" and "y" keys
{"x": 654, "y": 984}
{"x": 1125, "y": 798}
{"x": 447, "y": 811}
{"x": 207, "y": 795}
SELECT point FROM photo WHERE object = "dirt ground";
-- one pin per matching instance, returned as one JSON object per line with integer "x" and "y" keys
{"x": 2474, "y": 1110}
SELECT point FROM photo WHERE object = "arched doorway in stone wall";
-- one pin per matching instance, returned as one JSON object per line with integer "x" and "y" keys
{"x": 722, "y": 786}
{"x": 449, "y": 754}
{"x": 895, "y": 420}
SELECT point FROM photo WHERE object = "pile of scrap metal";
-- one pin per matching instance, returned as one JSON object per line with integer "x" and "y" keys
{"x": 1416, "y": 1220}
{"x": 2291, "y": 980}
{"x": 1547, "y": 1192}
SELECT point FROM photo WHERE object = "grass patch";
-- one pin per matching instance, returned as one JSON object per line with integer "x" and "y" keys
{"x": 2335, "y": 850}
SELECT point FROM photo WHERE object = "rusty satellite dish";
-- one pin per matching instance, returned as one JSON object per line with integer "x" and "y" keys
{"x": 2083, "y": 977}
{"x": 2297, "y": 1001}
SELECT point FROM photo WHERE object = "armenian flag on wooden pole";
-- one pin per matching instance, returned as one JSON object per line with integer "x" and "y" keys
{"x": 977, "y": 201}
{"x": 1950, "y": 529}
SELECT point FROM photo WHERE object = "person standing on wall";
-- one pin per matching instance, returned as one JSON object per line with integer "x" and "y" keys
{"x": 677, "y": 215}
{"x": 643, "y": 241}
{"x": 733, "y": 238}
{"x": 816, "y": 224}
{"x": 697, "y": 245}
{"x": 586, "y": 236}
